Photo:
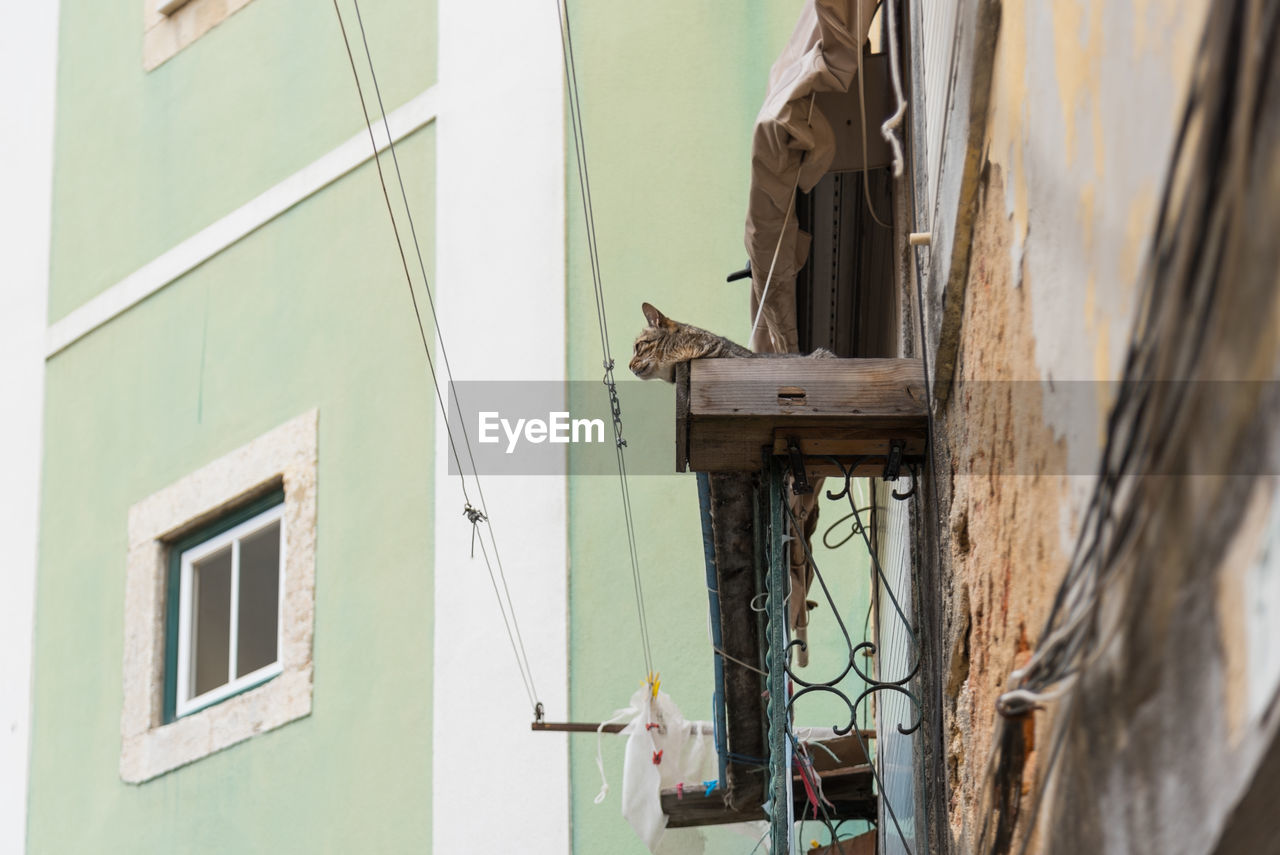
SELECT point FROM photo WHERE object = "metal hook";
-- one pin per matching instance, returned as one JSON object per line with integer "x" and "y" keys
{"x": 902, "y": 497}
{"x": 799, "y": 483}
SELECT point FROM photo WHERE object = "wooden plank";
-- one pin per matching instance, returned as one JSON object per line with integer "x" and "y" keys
{"x": 849, "y": 789}
{"x": 692, "y": 807}
{"x": 575, "y": 727}
{"x": 864, "y": 392}
{"x": 844, "y": 442}
{"x": 739, "y": 407}
{"x": 682, "y": 417}
{"x": 735, "y": 445}
{"x": 704, "y": 727}
{"x": 847, "y": 750}
{"x": 733, "y": 497}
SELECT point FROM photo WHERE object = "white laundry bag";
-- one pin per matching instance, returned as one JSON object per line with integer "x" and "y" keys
{"x": 656, "y": 731}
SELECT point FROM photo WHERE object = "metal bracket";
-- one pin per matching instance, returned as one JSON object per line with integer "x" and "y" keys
{"x": 902, "y": 497}
{"x": 893, "y": 465}
{"x": 799, "y": 482}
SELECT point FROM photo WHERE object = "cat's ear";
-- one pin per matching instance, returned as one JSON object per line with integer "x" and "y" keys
{"x": 654, "y": 317}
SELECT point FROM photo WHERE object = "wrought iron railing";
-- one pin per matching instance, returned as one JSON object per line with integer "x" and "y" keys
{"x": 782, "y": 677}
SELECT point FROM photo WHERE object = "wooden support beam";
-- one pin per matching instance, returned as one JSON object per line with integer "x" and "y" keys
{"x": 847, "y": 750}
{"x": 704, "y": 728}
{"x": 735, "y": 408}
{"x": 733, "y": 508}
{"x": 575, "y": 726}
{"x": 849, "y": 789}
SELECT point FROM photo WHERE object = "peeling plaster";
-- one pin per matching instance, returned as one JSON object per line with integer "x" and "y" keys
{"x": 1085, "y": 100}
{"x": 1082, "y": 129}
{"x": 1004, "y": 561}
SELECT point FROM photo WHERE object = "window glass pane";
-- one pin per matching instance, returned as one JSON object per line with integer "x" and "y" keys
{"x": 211, "y": 621}
{"x": 259, "y": 599}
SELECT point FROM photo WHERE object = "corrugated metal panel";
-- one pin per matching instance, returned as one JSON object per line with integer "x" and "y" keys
{"x": 937, "y": 30}
{"x": 845, "y": 295}
{"x": 897, "y": 655}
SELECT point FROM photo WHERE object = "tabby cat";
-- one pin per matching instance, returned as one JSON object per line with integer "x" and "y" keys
{"x": 665, "y": 343}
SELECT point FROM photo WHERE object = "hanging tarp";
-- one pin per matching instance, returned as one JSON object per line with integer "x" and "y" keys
{"x": 793, "y": 146}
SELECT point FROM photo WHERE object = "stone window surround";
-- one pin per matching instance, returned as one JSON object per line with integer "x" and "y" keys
{"x": 283, "y": 456}
{"x": 164, "y": 35}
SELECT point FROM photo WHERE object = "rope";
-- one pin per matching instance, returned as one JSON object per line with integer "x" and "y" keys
{"x": 474, "y": 515}
{"x": 892, "y": 123}
{"x": 738, "y": 661}
{"x": 862, "y": 113}
{"x": 602, "y": 320}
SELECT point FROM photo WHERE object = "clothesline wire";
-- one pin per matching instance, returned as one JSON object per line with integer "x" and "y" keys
{"x": 602, "y": 320}
{"x": 499, "y": 580}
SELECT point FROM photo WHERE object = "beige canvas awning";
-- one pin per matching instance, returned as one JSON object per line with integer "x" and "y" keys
{"x": 792, "y": 147}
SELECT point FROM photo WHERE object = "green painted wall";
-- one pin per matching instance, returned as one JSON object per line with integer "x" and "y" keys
{"x": 669, "y": 97}
{"x": 144, "y": 160}
{"x": 309, "y": 311}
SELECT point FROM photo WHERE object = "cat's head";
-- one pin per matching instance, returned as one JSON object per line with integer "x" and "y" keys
{"x": 649, "y": 360}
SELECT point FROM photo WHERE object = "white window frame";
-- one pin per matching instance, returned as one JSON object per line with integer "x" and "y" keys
{"x": 184, "y": 704}
{"x": 283, "y": 458}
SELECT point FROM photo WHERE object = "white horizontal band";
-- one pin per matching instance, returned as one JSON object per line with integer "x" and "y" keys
{"x": 259, "y": 211}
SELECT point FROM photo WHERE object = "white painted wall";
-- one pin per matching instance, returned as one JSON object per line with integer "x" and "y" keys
{"x": 500, "y": 288}
{"x": 28, "y": 51}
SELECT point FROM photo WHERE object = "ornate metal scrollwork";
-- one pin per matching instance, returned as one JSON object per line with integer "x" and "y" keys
{"x": 872, "y": 683}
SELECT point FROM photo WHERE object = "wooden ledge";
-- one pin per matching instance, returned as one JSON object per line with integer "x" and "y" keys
{"x": 846, "y": 783}
{"x": 848, "y": 789}
{"x": 729, "y": 411}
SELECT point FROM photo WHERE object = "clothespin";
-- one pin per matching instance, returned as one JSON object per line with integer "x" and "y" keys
{"x": 654, "y": 682}
{"x": 476, "y": 516}
{"x": 657, "y": 757}
{"x": 679, "y": 790}
{"x": 710, "y": 787}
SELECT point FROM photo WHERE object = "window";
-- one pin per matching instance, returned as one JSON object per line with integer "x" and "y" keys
{"x": 224, "y": 597}
{"x": 220, "y": 603}
{"x": 168, "y": 26}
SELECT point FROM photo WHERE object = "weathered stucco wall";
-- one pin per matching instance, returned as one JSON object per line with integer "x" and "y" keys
{"x": 1084, "y": 101}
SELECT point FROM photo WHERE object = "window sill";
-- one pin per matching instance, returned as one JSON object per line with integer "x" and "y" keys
{"x": 163, "y": 36}
{"x": 222, "y": 694}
